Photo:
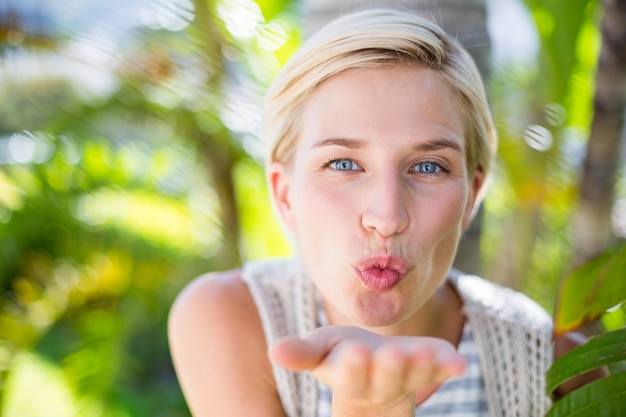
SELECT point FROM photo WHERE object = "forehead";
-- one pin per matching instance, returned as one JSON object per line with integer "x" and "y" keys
{"x": 394, "y": 100}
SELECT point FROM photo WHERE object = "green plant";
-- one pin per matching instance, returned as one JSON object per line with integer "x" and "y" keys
{"x": 585, "y": 295}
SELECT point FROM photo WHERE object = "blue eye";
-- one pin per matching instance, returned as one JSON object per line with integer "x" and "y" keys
{"x": 427, "y": 168}
{"x": 343, "y": 165}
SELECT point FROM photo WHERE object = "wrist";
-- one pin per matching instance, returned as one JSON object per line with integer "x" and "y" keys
{"x": 403, "y": 407}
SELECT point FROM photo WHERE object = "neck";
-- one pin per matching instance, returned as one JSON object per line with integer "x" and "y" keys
{"x": 440, "y": 317}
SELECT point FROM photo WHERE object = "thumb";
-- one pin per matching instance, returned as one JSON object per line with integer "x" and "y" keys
{"x": 305, "y": 354}
{"x": 299, "y": 354}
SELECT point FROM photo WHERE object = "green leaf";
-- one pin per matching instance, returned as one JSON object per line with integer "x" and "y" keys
{"x": 604, "y": 397}
{"x": 615, "y": 318}
{"x": 270, "y": 8}
{"x": 600, "y": 350}
{"x": 591, "y": 289}
{"x": 559, "y": 25}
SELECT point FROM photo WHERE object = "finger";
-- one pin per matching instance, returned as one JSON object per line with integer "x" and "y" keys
{"x": 298, "y": 354}
{"x": 420, "y": 368}
{"x": 301, "y": 354}
{"x": 388, "y": 373}
{"x": 422, "y": 394}
{"x": 429, "y": 368}
{"x": 449, "y": 364}
{"x": 351, "y": 370}
{"x": 438, "y": 354}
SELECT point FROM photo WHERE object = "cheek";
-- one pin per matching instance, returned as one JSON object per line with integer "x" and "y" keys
{"x": 324, "y": 224}
{"x": 442, "y": 222}
{"x": 323, "y": 206}
{"x": 456, "y": 206}
{"x": 323, "y": 234}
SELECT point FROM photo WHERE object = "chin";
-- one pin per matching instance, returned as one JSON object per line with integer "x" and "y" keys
{"x": 378, "y": 311}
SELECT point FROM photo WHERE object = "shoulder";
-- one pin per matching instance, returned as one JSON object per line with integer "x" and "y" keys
{"x": 210, "y": 292}
{"x": 481, "y": 296}
{"x": 217, "y": 305}
{"x": 278, "y": 290}
{"x": 218, "y": 348}
{"x": 513, "y": 335}
{"x": 215, "y": 301}
{"x": 271, "y": 272}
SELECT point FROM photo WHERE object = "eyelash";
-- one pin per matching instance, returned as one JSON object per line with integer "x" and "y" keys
{"x": 332, "y": 161}
{"x": 442, "y": 167}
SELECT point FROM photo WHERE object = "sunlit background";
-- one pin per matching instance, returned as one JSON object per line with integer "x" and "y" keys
{"x": 131, "y": 161}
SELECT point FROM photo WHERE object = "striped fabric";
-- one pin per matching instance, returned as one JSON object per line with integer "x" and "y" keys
{"x": 461, "y": 396}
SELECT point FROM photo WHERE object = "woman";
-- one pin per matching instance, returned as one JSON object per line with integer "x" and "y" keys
{"x": 381, "y": 143}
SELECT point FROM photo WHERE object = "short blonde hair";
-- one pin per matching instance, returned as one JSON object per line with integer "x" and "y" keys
{"x": 372, "y": 38}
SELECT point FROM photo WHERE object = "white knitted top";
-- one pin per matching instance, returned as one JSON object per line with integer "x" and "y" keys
{"x": 512, "y": 334}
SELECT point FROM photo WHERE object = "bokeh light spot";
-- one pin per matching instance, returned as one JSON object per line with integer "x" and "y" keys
{"x": 538, "y": 138}
{"x": 272, "y": 36}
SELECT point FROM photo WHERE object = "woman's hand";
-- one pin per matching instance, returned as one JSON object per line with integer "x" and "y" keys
{"x": 370, "y": 373}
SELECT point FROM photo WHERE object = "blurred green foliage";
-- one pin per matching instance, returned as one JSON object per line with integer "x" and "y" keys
{"x": 543, "y": 111}
{"x": 592, "y": 289}
{"x": 132, "y": 166}
{"x": 596, "y": 289}
{"x": 114, "y": 196}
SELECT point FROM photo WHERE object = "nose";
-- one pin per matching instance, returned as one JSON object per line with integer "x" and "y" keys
{"x": 386, "y": 212}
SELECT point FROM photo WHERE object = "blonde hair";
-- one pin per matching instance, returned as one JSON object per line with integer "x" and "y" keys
{"x": 371, "y": 38}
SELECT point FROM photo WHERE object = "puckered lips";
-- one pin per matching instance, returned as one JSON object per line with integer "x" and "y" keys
{"x": 381, "y": 272}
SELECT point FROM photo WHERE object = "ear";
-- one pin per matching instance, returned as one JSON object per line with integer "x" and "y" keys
{"x": 279, "y": 182}
{"x": 474, "y": 198}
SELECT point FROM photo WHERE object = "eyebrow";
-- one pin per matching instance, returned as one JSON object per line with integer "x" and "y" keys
{"x": 441, "y": 143}
{"x": 429, "y": 145}
{"x": 344, "y": 142}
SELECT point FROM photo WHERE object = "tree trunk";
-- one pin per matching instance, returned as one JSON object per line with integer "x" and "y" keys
{"x": 221, "y": 163}
{"x": 465, "y": 20}
{"x": 592, "y": 222}
{"x": 221, "y": 157}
